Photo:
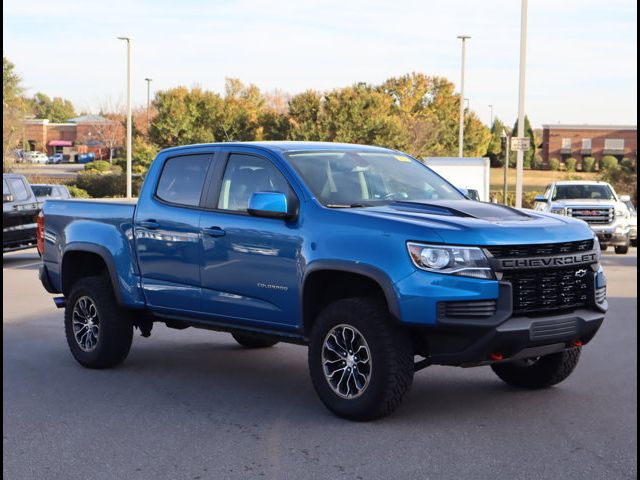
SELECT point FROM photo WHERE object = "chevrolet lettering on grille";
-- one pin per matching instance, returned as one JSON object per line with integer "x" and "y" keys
{"x": 502, "y": 264}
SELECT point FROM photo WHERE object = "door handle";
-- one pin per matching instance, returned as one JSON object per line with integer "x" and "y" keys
{"x": 150, "y": 224}
{"x": 214, "y": 232}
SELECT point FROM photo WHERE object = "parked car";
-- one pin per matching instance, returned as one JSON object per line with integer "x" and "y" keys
{"x": 593, "y": 202}
{"x": 19, "y": 210}
{"x": 56, "y": 158}
{"x": 44, "y": 192}
{"x": 633, "y": 219}
{"x": 35, "y": 157}
{"x": 362, "y": 253}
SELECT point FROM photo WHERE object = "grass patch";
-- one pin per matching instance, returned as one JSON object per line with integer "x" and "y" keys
{"x": 536, "y": 180}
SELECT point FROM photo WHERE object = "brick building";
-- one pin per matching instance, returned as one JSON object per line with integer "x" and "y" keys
{"x": 580, "y": 141}
{"x": 92, "y": 132}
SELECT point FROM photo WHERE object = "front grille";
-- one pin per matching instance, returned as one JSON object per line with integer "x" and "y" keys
{"x": 474, "y": 308}
{"x": 592, "y": 215}
{"x": 549, "y": 290}
{"x": 543, "y": 249}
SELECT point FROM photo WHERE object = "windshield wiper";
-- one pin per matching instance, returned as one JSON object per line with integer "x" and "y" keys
{"x": 352, "y": 205}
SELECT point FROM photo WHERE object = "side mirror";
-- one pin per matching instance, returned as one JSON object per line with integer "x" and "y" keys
{"x": 7, "y": 197}
{"x": 269, "y": 205}
{"x": 464, "y": 192}
{"x": 541, "y": 199}
{"x": 625, "y": 198}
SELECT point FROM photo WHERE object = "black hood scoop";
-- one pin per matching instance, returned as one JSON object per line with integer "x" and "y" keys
{"x": 491, "y": 212}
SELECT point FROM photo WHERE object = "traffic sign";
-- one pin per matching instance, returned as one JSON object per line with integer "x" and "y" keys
{"x": 520, "y": 144}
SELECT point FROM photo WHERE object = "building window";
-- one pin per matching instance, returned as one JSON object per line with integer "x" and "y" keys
{"x": 566, "y": 145}
{"x": 613, "y": 146}
{"x": 586, "y": 144}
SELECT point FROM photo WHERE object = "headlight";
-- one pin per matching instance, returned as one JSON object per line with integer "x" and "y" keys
{"x": 559, "y": 210}
{"x": 620, "y": 213}
{"x": 462, "y": 261}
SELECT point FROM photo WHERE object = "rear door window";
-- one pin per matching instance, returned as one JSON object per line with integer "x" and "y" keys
{"x": 182, "y": 180}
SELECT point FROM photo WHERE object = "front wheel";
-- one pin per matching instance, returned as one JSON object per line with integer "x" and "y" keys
{"x": 361, "y": 365}
{"x": 99, "y": 333}
{"x": 622, "y": 249}
{"x": 540, "y": 372}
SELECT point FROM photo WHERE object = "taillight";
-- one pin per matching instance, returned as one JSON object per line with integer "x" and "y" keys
{"x": 40, "y": 232}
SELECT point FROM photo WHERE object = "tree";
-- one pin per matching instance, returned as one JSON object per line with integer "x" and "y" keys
{"x": 186, "y": 116}
{"x": 528, "y": 132}
{"x": 495, "y": 150}
{"x": 56, "y": 110}
{"x": 108, "y": 129}
{"x": 304, "y": 116}
{"x": 242, "y": 106}
{"x": 13, "y": 110}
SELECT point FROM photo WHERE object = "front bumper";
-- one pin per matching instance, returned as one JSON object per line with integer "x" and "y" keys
{"x": 615, "y": 234}
{"x": 474, "y": 340}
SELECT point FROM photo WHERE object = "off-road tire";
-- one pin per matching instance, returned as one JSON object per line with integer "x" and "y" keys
{"x": 391, "y": 352}
{"x": 548, "y": 370}
{"x": 253, "y": 341}
{"x": 115, "y": 325}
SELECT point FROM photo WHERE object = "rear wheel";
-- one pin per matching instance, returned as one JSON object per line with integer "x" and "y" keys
{"x": 99, "y": 333}
{"x": 603, "y": 247}
{"x": 361, "y": 364}
{"x": 253, "y": 341}
{"x": 538, "y": 372}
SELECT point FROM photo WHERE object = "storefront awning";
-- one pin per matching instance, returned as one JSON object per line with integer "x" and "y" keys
{"x": 60, "y": 143}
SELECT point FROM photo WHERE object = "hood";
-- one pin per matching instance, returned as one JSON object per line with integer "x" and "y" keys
{"x": 466, "y": 222}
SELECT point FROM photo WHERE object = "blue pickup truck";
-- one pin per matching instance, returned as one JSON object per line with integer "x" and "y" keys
{"x": 362, "y": 253}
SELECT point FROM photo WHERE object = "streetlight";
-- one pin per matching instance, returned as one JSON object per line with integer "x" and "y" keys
{"x": 491, "y": 116}
{"x": 523, "y": 60}
{"x": 504, "y": 136}
{"x": 466, "y": 103}
{"x": 128, "y": 40}
{"x": 148, "y": 80}
{"x": 464, "y": 38}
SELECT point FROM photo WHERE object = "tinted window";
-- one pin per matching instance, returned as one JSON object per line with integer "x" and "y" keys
{"x": 246, "y": 174}
{"x": 41, "y": 190}
{"x": 20, "y": 191}
{"x": 182, "y": 180}
{"x": 5, "y": 188}
{"x": 595, "y": 192}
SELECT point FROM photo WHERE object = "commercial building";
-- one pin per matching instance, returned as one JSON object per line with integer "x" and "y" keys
{"x": 580, "y": 141}
{"x": 88, "y": 133}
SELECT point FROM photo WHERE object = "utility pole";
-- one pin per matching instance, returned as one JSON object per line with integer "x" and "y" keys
{"x": 464, "y": 39}
{"x": 148, "y": 80}
{"x": 505, "y": 140}
{"x": 128, "y": 40}
{"x": 491, "y": 116}
{"x": 523, "y": 62}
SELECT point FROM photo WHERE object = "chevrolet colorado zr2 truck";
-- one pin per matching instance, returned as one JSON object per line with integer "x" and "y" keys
{"x": 594, "y": 202}
{"x": 362, "y": 253}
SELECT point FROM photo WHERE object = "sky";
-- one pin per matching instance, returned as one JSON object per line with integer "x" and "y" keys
{"x": 581, "y": 54}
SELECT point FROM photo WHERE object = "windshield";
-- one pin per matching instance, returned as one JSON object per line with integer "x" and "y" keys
{"x": 588, "y": 192}
{"x": 41, "y": 191}
{"x": 349, "y": 178}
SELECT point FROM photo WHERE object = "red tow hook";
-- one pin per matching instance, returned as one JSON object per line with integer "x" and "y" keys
{"x": 496, "y": 356}
{"x": 577, "y": 343}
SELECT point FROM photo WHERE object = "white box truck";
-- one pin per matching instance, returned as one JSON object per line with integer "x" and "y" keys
{"x": 470, "y": 173}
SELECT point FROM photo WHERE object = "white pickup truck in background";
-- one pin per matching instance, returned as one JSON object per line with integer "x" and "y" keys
{"x": 595, "y": 203}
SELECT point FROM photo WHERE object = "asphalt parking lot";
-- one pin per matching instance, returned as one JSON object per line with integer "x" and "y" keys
{"x": 193, "y": 405}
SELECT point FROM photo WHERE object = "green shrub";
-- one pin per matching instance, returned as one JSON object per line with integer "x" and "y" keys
{"x": 628, "y": 165}
{"x": 77, "y": 192}
{"x": 554, "y": 164}
{"x": 102, "y": 185}
{"x": 570, "y": 163}
{"x": 527, "y": 197}
{"x": 98, "y": 166}
{"x": 608, "y": 162}
{"x": 588, "y": 164}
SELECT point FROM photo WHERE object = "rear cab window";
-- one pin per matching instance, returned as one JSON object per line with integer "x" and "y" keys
{"x": 182, "y": 180}
{"x": 20, "y": 191}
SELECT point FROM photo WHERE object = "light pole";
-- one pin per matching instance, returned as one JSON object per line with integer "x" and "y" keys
{"x": 128, "y": 40}
{"x": 523, "y": 61}
{"x": 505, "y": 139}
{"x": 464, "y": 39}
{"x": 491, "y": 116}
{"x": 148, "y": 80}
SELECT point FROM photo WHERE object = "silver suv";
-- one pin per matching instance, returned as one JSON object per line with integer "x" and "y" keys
{"x": 594, "y": 202}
